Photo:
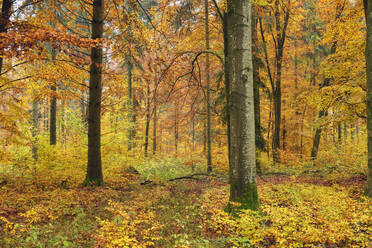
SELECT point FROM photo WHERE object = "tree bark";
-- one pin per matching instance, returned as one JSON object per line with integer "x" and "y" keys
{"x": 154, "y": 130}
{"x": 35, "y": 128}
{"x": 4, "y": 20}
{"x": 368, "y": 53}
{"x": 277, "y": 92}
{"x": 147, "y": 127}
{"x": 208, "y": 134}
{"x": 94, "y": 169}
{"x": 242, "y": 164}
{"x": 131, "y": 131}
{"x": 316, "y": 142}
{"x": 53, "y": 108}
{"x": 259, "y": 140}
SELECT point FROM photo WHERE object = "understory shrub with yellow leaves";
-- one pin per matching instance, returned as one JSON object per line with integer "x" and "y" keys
{"x": 129, "y": 228}
{"x": 295, "y": 215}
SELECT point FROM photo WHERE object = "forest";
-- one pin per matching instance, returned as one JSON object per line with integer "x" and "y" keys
{"x": 185, "y": 123}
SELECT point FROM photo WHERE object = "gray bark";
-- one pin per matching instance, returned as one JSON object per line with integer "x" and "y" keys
{"x": 242, "y": 164}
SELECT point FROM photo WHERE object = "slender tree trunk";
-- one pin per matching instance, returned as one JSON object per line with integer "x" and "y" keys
{"x": 302, "y": 132}
{"x": 316, "y": 142}
{"x": 175, "y": 131}
{"x": 209, "y": 142}
{"x": 345, "y": 131}
{"x": 284, "y": 131}
{"x": 4, "y": 20}
{"x": 53, "y": 119}
{"x": 131, "y": 106}
{"x": 147, "y": 128}
{"x": 53, "y": 105}
{"x": 242, "y": 164}
{"x": 259, "y": 140}
{"x": 94, "y": 169}
{"x": 154, "y": 130}
{"x": 277, "y": 91}
{"x": 46, "y": 116}
{"x": 269, "y": 123}
{"x": 368, "y": 53}
{"x": 339, "y": 133}
{"x": 35, "y": 128}
{"x": 227, "y": 79}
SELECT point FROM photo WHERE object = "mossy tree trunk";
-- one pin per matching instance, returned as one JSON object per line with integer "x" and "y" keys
{"x": 94, "y": 170}
{"x": 242, "y": 159}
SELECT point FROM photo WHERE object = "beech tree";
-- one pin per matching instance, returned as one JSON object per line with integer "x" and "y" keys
{"x": 242, "y": 150}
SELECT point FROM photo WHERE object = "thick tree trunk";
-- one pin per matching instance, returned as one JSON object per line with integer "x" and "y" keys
{"x": 242, "y": 164}
{"x": 94, "y": 170}
{"x": 208, "y": 134}
{"x": 4, "y": 20}
{"x": 368, "y": 14}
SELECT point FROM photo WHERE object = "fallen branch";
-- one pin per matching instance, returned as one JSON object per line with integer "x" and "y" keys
{"x": 192, "y": 176}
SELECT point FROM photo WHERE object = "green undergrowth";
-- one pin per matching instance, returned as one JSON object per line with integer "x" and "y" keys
{"x": 168, "y": 168}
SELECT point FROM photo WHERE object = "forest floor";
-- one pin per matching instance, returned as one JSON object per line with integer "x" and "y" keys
{"x": 128, "y": 211}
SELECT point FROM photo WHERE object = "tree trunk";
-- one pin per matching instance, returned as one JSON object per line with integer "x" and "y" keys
{"x": 345, "y": 131}
{"x": 316, "y": 142}
{"x": 208, "y": 135}
{"x": 227, "y": 80}
{"x": 154, "y": 131}
{"x": 35, "y": 128}
{"x": 242, "y": 164}
{"x": 259, "y": 140}
{"x": 94, "y": 170}
{"x": 130, "y": 106}
{"x": 175, "y": 131}
{"x": 339, "y": 133}
{"x": 368, "y": 14}
{"x": 277, "y": 91}
{"x": 4, "y": 19}
{"x": 147, "y": 128}
{"x": 53, "y": 117}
